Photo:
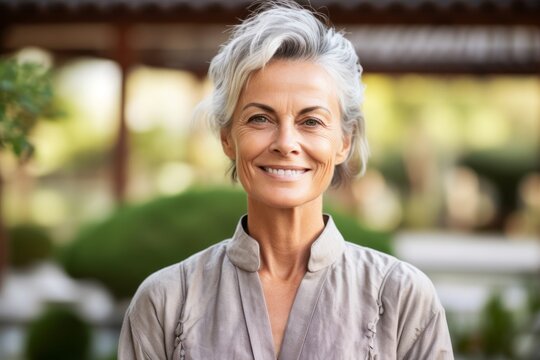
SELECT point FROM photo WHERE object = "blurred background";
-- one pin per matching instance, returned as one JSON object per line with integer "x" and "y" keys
{"x": 104, "y": 178}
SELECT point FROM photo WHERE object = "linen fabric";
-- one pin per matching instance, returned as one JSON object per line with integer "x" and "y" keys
{"x": 353, "y": 303}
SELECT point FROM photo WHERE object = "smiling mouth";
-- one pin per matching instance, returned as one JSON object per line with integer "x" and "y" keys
{"x": 284, "y": 172}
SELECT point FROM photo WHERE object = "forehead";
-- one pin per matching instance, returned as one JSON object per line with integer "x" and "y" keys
{"x": 294, "y": 79}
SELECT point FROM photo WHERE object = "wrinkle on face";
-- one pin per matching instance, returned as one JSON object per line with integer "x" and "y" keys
{"x": 287, "y": 114}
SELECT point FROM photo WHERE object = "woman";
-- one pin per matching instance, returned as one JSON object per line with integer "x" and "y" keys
{"x": 286, "y": 103}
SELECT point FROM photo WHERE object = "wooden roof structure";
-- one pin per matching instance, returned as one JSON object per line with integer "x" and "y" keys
{"x": 227, "y": 11}
{"x": 396, "y": 36}
{"x": 391, "y": 36}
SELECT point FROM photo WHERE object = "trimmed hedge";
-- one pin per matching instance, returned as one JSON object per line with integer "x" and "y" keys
{"x": 28, "y": 244}
{"x": 138, "y": 240}
{"x": 58, "y": 334}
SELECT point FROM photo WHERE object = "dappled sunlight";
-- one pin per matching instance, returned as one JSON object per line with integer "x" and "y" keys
{"x": 91, "y": 88}
{"x": 161, "y": 99}
{"x": 174, "y": 177}
{"x": 48, "y": 208}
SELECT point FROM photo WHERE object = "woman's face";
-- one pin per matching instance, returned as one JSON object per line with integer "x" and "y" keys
{"x": 286, "y": 136}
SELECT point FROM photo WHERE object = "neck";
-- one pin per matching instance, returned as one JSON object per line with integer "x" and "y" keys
{"x": 285, "y": 236}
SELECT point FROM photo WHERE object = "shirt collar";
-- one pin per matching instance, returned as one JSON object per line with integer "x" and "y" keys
{"x": 244, "y": 251}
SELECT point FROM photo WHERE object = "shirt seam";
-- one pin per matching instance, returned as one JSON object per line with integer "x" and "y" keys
{"x": 372, "y": 325}
{"x": 390, "y": 270}
{"x": 421, "y": 333}
{"x": 179, "y": 330}
{"x": 138, "y": 338}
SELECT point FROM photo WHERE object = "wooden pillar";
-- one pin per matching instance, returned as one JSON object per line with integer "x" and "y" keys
{"x": 120, "y": 159}
{"x": 4, "y": 238}
{"x": 538, "y": 80}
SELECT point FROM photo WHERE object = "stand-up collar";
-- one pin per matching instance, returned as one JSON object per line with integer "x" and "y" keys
{"x": 244, "y": 251}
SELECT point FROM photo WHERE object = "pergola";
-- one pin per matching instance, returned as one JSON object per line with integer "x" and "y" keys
{"x": 391, "y": 36}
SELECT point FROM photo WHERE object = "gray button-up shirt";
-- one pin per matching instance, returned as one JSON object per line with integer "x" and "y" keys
{"x": 353, "y": 303}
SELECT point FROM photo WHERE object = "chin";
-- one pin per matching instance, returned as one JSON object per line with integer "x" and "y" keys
{"x": 280, "y": 199}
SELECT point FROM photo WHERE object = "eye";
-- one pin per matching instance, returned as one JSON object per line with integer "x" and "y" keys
{"x": 258, "y": 119}
{"x": 312, "y": 122}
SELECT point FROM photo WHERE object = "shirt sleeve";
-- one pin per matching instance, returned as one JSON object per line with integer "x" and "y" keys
{"x": 148, "y": 329}
{"x": 433, "y": 342}
{"x": 418, "y": 318}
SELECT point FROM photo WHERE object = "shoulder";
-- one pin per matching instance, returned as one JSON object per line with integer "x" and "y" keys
{"x": 411, "y": 308}
{"x": 158, "y": 286}
{"x": 372, "y": 265}
{"x": 165, "y": 288}
{"x": 408, "y": 303}
{"x": 403, "y": 291}
{"x": 407, "y": 289}
{"x": 150, "y": 326}
{"x": 395, "y": 277}
{"x": 368, "y": 256}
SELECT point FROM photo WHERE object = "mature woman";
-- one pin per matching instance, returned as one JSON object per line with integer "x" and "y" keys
{"x": 287, "y": 285}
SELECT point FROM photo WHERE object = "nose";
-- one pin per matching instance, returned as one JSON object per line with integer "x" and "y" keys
{"x": 285, "y": 140}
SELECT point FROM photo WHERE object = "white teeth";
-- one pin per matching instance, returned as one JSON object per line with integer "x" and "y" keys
{"x": 284, "y": 172}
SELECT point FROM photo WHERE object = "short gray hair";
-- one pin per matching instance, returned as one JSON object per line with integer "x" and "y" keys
{"x": 285, "y": 30}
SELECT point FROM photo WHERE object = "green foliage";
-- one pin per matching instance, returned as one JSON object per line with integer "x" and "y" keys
{"x": 138, "y": 240}
{"x": 533, "y": 298}
{"x": 58, "y": 334}
{"x": 110, "y": 357}
{"x": 25, "y": 95}
{"x": 28, "y": 244}
{"x": 501, "y": 331}
{"x": 497, "y": 329}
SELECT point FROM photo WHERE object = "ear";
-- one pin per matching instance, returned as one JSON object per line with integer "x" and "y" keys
{"x": 343, "y": 152}
{"x": 227, "y": 143}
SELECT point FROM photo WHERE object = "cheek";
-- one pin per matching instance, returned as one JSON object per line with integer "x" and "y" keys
{"x": 250, "y": 143}
{"x": 324, "y": 149}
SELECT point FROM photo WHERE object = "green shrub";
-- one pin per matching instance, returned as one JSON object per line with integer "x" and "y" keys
{"x": 138, "y": 240}
{"x": 109, "y": 357}
{"x": 58, "y": 334}
{"x": 497, "y": 328}
{"x": 28, "y": 244}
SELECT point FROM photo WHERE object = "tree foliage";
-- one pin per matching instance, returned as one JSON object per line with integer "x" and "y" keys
{"x": 26, "y": 94}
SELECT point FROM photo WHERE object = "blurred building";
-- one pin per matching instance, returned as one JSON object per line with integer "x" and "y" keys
{"x": 394, "y": 36}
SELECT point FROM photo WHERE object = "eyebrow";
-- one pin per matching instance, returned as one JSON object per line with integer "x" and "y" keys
{"x": 271, "y": 110}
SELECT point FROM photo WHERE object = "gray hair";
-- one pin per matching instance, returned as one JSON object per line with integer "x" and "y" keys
{"x": 285, "y": 30}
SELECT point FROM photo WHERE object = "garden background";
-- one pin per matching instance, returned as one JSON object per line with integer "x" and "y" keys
{"x": 105, "y": 178}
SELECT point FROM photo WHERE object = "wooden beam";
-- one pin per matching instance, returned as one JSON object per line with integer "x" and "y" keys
{"x": 4, "y": 237}
{"x": 360, "y": 14}
{"x": 124, "y": 58}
